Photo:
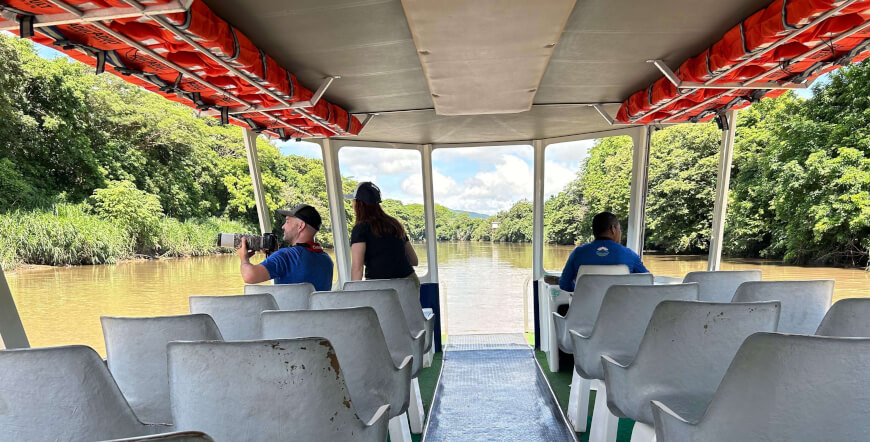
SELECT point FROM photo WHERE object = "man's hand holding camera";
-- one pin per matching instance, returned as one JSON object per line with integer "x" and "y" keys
{"x": 245, "y": 254}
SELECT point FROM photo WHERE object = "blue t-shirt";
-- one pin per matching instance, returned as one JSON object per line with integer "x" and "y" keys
{"x": 292, "y": 265}
{"x": 600, "y": 252}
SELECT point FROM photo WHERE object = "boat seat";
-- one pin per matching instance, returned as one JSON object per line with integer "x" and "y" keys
{"x": 409, "y": 297}
{"x": 719, "y": 286}
{"x": 179, "y": 436}
{"x": 847, "y": 318}
{"x": 136, "y": 357}
{"x": 266, "y": 390}
{"x": 618, "y": 330}
{"x": 63, "y": 394}
{"x": 684, "y": 353}
{"x": 400, "y": 340}
{"x": 804, "y": 303}
{"x": 372, "y": 377}
{"x": 772, "y": 391}
{"x": 287, "y": 296}
{"x": 237, "y": 316}
{"x": 589, "y": 291}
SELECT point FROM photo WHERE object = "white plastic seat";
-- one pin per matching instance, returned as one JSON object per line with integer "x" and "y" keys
{"x": 355, "y": 333}
{"x": 773, "y": 391}
{"x": 685, "y": 351}
{"x": 63, "y": 394}
{"x": 409, "y": 297}
{"x": 136, "y": 357}
{"x": 288, "y": 296}
{"x": 291, "y": 389}
{"x": 237, "y": 316}
{"x": 180, "y": 436}
{"x": 618, "y": 330}
{"x": 400, "y": 340}
{"x": 804, "y": 303}
{"x": 720, "y": 286}
{"x": 847, "y": 318}
{"x": 589, "y": 291}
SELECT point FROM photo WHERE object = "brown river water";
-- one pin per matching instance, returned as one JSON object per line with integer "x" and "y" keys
{"x": 483, "y": 286}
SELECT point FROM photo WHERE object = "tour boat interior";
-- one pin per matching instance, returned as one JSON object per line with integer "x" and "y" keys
{"x": 711, "y": 355}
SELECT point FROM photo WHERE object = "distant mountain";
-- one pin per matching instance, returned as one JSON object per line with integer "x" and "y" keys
{"x": 471, "y": 214}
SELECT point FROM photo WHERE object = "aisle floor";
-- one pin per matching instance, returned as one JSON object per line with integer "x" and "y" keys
{"x": 491, "y": 388}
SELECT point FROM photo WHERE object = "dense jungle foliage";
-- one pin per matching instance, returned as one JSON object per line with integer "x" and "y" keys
{"x": 94, "y": 170}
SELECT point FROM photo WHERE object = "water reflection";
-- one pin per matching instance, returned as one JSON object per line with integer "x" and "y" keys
{"x": 482, "y": 288}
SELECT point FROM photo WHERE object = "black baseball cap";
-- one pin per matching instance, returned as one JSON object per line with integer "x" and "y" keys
{"x": 304, "y": 212}
{"x": 366, "y": 192}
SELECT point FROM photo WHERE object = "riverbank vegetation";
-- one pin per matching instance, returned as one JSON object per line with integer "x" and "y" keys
{"x": 95, "y": 170}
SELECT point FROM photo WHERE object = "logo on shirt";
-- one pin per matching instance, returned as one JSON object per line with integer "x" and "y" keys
{"x": 602, "y": 251}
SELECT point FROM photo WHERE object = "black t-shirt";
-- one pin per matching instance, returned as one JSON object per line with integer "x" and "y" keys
{"x": 385, "y": 256}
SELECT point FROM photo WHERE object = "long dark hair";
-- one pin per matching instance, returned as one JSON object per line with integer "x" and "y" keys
{"x": 380, "y": 223}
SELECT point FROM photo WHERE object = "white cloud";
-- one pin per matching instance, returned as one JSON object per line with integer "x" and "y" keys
{"x": 570, "y": 152}
{"x": 556, "y": 176}
{"x": 367, "y": 162}
{"x": 489, "y": 191}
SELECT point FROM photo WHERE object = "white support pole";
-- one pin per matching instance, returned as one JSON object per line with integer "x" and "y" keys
{"x": 723, "y": 180}
{"x": 257, "y": 180}
{"x": 12, "y": 333}
{"x": 336, "y": 210}
{"x": 637, "y": 199}
{"x": 429, "y": 214}
{"x": 538, "y": 213}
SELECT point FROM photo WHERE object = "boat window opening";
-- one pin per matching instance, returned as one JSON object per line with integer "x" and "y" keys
{"x": 483, "y": 198}
{"x": 582, "y": 178}
{"x": 399, "y": 175}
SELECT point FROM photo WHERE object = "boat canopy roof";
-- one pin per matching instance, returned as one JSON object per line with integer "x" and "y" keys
{"x": 454, "y": 71}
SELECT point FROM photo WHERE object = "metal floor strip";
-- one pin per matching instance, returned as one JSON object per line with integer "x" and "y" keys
{"x": 492, "y": 389}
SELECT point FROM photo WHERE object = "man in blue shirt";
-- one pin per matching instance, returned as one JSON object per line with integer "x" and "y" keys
{"x": 605, "y": 250}
{"x": 304, "y": 261}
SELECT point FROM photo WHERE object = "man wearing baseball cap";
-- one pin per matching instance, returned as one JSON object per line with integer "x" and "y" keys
{"x": 304, "y": 261}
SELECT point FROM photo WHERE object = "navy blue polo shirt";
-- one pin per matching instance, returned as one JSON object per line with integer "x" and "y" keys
{"x": 293, "y": 265}
{"x": 600, "y": 252}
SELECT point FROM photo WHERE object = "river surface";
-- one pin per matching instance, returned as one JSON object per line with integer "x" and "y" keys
{"x": 483, "y": 286}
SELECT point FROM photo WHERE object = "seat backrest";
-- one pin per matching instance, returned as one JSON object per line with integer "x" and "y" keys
{"x": 409, "y": 297}
{"x": 59, "y": 394}
{"x": 386, "y": 305}
{"x": 615, "y": 269}
{"x": 847, "y": 317}
{"x": 804, "y": 303}
{"x": 136, "y": 356}
{"x": 589, "y": 292}
{"x": 262, "y": 390}
{"x": 356, "y": 335}
{"x": 813, "y": 388}
{"x": 179, "y": 436}
{"x": 687, "y": 347}
{"x": 237, "y": 316}
{"x": 621, "y": 322}
{"x": 287, "y": 296}
{"x": 719, "y": 286}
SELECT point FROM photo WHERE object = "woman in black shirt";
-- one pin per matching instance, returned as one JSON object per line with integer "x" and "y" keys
{"x": 378, "y": 241}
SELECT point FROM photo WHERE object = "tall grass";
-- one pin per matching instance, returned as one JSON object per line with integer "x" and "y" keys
{"x": 194, "y": 237}
{"x": 63, "y": 236}
{"x": 68, "y": 235}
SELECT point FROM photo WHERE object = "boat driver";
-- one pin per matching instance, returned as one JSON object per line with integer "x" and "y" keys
{"x": 605, "y": 250}
{"x": 304, "y": 261}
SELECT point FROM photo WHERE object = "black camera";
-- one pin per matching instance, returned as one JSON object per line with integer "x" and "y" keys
{"x": 267, "y": 243}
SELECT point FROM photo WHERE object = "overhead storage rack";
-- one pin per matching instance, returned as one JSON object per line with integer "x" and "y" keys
{"x": 784, "y": 46}
{"x": 181, "y": 50}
